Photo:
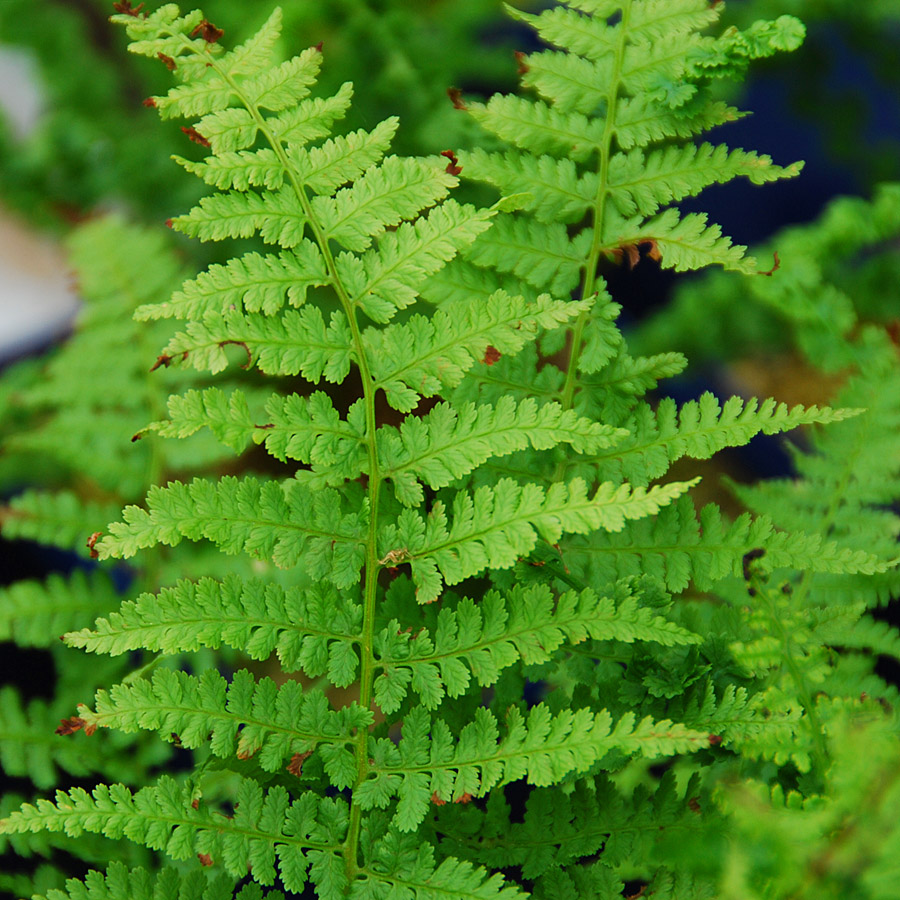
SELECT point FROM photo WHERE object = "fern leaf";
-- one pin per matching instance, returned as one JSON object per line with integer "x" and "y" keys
{"x": 399, "y": 864}
{"x": 266, "y": 825}
{"x": 121, "y": 883}
{"x": 240, "y": 170}
{"x": 555, "y": 190}
{"x": 642, "y": 183}
{"x": 676, "y": 548}
{"x": 543, "y": 749}
{"x": 541, "y": 255}
{"x": 484, "y": 638}
{"x": 449, "y": 442}
{"x": 61, "y": 519}
{"x": 342, "y": 158}
{"x": 386, "y": 278}
{"x": 495, "y": 526}
{"x": 681, "y": 242}
{"x": 422, "y": 355}
{"x": 297, "y": 342}
{"x": 34, "y": 613}
{"x": 278, "y": 216}
{"x": 640, "y": 121}
{"x": 539, "y": 128}
{"x": 309, "y": 629}
{"x": 699, "y": 429}
{"x": 385, "y": 195}
{"x": 246, "y": 718}
{"x": 282, "y": 522}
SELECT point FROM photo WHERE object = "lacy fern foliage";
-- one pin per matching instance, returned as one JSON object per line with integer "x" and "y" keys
{"x": 460, "y": 505}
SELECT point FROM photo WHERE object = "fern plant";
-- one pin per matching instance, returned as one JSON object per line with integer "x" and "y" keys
{"x": 472, "y": 539}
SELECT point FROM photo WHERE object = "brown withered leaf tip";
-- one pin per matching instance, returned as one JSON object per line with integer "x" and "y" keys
{"x": 694, "y": 805}
{"x": 195, "y": 803}
{"x": 455, "y": 95}
{"x": 91, "y": 541}
{"x": 208, "y": 32}
{"x": 775, "y": 266}
{"x": 195, "y": 135}
{"x": 149, "y": 101}
{"x": 453, "y": 167}
{"x": 169, "y": 62}
{"x": 205, "y": 859}
{"x": 715, "y": 740}
{"x": 319, "y": 46}
{"x": 520, "y": 59}
{"x": 437, "y": 800}
{"x": 73, "y": 724}
{"x": 491, "y": 355}
{"x": 295, "y": 766}
{"x": 163, "y": 360}
{"x": 126, "y": 9}
{"x": 632, "y": 252}
{"x": 463, "y": 798}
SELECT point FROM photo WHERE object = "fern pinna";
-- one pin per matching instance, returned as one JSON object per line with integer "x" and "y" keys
{"x": 458, "y": 458}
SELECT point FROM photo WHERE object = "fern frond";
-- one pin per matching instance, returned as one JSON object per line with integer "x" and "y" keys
{"x": 495, "y": 526}
{"x": 560, "y": 828}
{"x": 35, "y": 613}
{"x": 529, "y": 624}
{"x": 699, "y": 429}
{"x": 399, "y": 864}
{"x": 386, "y": 278}
{"x": 642, "y": 183}
{"x": 121, "y": 883}
{"x": 310, "y": 629}
{"x": 422, "y": 355}
{"x": 266, "y": 519}
{"x": 61, "y": 519}
{"x": 540, "y": 254}
{"x": 296, "y": 342}
{"x": 245, "y": 717}
{"x": 266, "y": 826}
{"x": 383, "y": 196}
{"x": 451, "y": 441}
{"x": 253, "y": 282}
{"x": 677, "y": 548}
{"x": 428, "y": 763}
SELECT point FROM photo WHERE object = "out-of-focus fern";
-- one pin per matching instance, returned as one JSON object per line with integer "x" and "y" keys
{"x": 472, "y": 506}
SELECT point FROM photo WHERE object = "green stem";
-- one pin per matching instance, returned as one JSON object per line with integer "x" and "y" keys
{"x": 567, "y": 395}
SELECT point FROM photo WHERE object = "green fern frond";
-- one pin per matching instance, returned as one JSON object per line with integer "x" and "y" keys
{"x": 560, "y": 828}
{"x": 398, "y": 863}
{"x": 280, "y": 521}
{"x": 423, "y": 355}
{"x": 267, "y": 828}
{"x": 310, "y": 629}
{"x": 699, "y": 429}
{"x": 451, "y": 441}
{"x": 479, "y": 640}
{"x": 121, "y": 883}
{"x": 495, "y": 526}
{"x": 35, "y": 613}
{"x": 61, "y": 519}
{"x": 244, "y": 718}
{"x": 428, "y": 764}
{"x": 676, "y": 547}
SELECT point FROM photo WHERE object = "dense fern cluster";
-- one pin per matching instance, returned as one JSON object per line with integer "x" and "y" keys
{"x": 456, "y": 569}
